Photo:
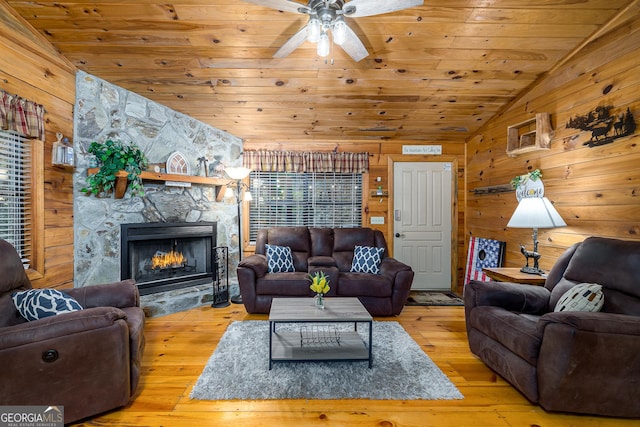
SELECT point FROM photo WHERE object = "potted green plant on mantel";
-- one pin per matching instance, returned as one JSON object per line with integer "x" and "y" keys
{"x": 115, "y": 159}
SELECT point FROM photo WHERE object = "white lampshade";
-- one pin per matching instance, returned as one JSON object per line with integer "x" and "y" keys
{"x": 313, "y": 30}
{"x": 536, "y": 212}
{"x": 238, "y": 173}
{"x": 323, "y": 44}
{"x": 229, "y": 194}
{"x": 339, "y": 31}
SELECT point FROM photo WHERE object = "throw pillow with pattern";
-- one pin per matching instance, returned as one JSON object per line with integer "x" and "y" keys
{"x": 35, "y": 304}
{"x": 582, "y": 297}
{"x": 279, "y": 259}
{"x": 367, "y": 259}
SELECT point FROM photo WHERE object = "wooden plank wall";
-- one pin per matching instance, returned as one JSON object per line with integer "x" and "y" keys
{"x": 31, "y": 68}
{"x": 596, "y": 190}
{"x": 378, "y": 167}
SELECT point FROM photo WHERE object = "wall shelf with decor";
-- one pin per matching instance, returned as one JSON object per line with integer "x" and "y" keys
{"x": 529, "y": 135}
{"x": 121, "y": 181}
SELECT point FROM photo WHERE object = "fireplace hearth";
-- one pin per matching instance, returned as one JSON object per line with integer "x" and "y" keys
{"x": 168, "y": 256}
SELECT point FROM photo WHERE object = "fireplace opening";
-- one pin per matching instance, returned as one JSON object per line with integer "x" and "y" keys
{"x": 168, "y": 256}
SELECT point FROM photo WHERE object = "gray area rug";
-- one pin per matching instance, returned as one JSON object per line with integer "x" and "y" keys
{"x": 434, "y": 298}
{"x": 239, "y": 369}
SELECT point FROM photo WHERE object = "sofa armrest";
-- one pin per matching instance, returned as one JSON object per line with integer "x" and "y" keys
{"x": 390, "y": 267}
{"x": 62, "y": 325}
{"x": 529, "y": 299}
{"x": 322, "y": 261}
{"x": 598, "y": 322}
{"x": 257, "y": 263}
{"x": 119, "y": 294}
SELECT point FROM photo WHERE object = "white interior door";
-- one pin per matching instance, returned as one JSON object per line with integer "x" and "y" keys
{"x": 422, "y": 222}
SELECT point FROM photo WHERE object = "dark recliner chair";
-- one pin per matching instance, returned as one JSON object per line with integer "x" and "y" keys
{"x": 570, "y": 361}
{"x": 87, "y": 361}
{"x": 330, "y": 250}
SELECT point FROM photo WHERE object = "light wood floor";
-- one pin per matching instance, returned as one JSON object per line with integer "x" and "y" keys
{"x": 179, "y": 345}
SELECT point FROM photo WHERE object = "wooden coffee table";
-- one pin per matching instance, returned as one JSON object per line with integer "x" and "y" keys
{"x": 317, "y": 336}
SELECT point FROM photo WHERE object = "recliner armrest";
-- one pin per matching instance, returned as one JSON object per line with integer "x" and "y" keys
{"x": 62, "y": 325}
{"x": 598, "y": 322}
{"x": 118, "y": 294}
{"x": 529, "y": 299}
{"x": 257, "y": 263}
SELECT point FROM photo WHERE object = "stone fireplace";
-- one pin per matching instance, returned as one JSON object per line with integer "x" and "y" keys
{"x": 105, "y": 111}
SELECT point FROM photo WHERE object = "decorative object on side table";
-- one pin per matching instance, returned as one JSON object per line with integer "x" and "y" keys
{"x": 533, "y": 211}
{"x": 114, "y": 157}
{"x": 319, "y": 285}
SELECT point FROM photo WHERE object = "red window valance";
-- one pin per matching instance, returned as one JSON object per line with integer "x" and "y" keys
{"x": 302, "y": 161}
{"x": 20, "y": 115}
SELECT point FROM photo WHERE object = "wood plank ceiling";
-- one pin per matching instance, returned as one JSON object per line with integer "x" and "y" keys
{"x": 437, "y": 72}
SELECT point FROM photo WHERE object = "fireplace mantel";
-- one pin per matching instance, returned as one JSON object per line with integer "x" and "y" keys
{"x": 121, "y": 181}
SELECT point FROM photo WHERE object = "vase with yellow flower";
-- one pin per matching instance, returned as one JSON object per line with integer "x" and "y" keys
{"x": 319, "y": 285}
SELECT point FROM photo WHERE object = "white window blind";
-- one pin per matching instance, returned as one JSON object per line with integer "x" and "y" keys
{"x": 283, "y": 199}
{"x": 15, "y": 193}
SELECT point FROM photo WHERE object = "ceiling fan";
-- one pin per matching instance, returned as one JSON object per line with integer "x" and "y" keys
{"x": 326, "y": 18}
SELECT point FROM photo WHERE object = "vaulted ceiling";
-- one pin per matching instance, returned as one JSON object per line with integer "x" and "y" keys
{"x": 436, "y": 72}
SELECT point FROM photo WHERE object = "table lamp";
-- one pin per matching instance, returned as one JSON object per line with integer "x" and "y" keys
{"x": 534, "y": 212}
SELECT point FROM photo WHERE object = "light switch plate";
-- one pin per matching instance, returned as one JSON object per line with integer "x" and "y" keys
{"x": 377, "y": 220}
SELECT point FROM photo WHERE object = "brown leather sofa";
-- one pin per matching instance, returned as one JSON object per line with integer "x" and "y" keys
{"x": 570, "y": 361}
{"x": 331, "y": 251}
{"x": 87, "y": 361}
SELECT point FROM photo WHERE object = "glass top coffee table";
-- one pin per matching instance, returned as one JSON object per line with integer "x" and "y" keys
{"x": 314, "y": 334}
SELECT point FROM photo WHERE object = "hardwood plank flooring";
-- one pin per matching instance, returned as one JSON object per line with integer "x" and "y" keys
{"x": 179, "y": 345}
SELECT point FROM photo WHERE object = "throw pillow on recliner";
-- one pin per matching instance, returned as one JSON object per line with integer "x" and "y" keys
{"x": 279, "y": 259}
{"x": 366, "y": 259}
{"x": 35, "y": 304}
{"x": 582, "y": 297}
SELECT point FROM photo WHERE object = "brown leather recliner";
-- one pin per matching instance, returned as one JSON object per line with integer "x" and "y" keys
{"x": 87, "y": 361}
{"x": 570, "y": 361}
{"x": 331, "y": 251}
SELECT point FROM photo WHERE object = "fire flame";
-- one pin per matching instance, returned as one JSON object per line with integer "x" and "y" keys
{"x": 167, "y": 259}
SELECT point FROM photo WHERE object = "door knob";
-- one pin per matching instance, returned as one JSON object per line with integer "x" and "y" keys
{"x": 399, "y": 235}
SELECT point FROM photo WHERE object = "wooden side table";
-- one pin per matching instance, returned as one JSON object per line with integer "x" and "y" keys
{"x": 504, "y": 274}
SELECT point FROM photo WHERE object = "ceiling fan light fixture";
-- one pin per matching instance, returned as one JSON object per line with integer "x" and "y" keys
{"x": 313, "y": 30}
{"x": 327, "y": 22}
{"x": 339, "y": 31}
{"x": 323, "y": 44}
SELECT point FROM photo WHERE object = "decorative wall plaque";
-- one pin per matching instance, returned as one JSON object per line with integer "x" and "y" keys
{"x": 604, "y": 126}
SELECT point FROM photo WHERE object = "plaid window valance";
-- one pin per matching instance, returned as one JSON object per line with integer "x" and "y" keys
{"x": 20, "y": 115}
{"x": 302, "y": 161}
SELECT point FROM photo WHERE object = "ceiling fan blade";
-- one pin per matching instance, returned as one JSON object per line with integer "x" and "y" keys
{"x": 284, "y": 5}
{"x": 358, "y": 8}
{"x": 354, "y": 46}
{"x": 292, "y": 44}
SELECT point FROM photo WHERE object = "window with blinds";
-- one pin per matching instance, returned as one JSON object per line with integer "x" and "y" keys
{"x": 15, "y": 193}
{"x": 282, "y": 199}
